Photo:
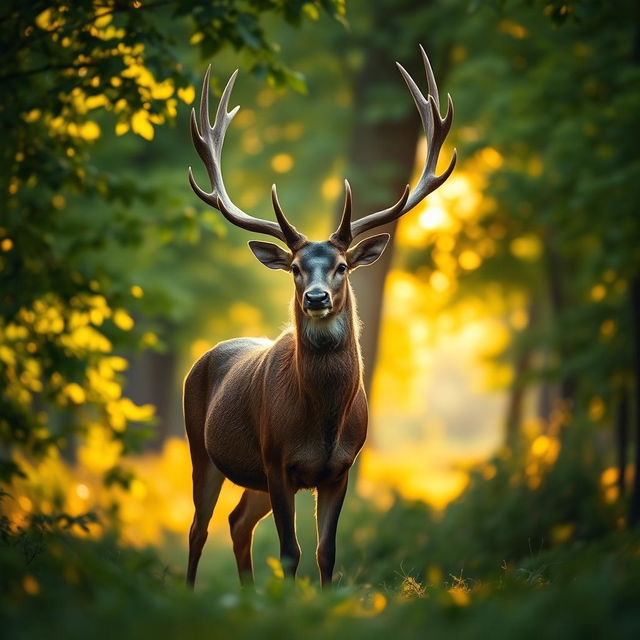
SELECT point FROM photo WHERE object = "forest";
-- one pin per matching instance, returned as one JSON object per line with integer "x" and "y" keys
{"x": 498, "y": 492}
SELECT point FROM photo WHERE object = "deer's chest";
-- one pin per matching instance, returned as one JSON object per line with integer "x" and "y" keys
{"x": 311, "y": 467}
{"x": 324, "y": 456}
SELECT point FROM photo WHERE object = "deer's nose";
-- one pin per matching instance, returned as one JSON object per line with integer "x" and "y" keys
{"x": 316, "y": 299}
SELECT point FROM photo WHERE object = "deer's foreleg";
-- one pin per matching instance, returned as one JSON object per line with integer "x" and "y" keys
{"x": 282, "y": 494}
{"x": 329, "y": 504}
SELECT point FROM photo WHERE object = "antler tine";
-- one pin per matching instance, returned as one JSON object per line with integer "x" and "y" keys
{"x": 431, "y": 79}
{"x": 342, "y": 235}
{"x": 292, "y": 236}
{"x": 379, "y": 218}
{"x": 208, "y": 141}
{"x": 436, "y": 130}
{"x": 426, "y": 116}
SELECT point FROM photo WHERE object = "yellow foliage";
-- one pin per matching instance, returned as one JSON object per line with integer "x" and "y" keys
{"x": 469, "y": 260}
{"x": 598, "y": 292}
{"x": 99, "y": 452}
{"x": 611, "y": 494}
{"x": 75, "y": 393}
{"x": 527, "y": 247}
{"x": 331, "y": 188}
{"x": 361, "y": 607}
{"x": 282, "y": 163}
{"x": 30, "y": 585}
{"x": 276, "y": 567}
{"x": 58, "y": 201}
{"x": 156, "y": 118}
{"x": 110, "y": 33}
{"x": 198, "y": 348}
{"x": 172, "y": 107}
{"x": 489, "y": 471}
{"x": 251, "y": 142}
{"x": 609, "y": 476}
{"x": 378, "y": 603}
{"x": 439, "y": 281}
{"x": 491, "y": 157}
{"x": 117, "y": 363}
{"x": 311, "y": 11}
{"x": 187, "y": 94}
{"x": 596, "y": 409}
{"x": 32, "y": 116}
{"x": 460, "y": 596}
{"x": 513, "y": 29}
{"x": 162, "y": 90}
{"x": 49, "y": 20}
{"x": 103, "y": 387}
{"x": 545, "y": 448}
{"x": 148, "y": 339}
{"x": 608, "y": 328}
{"x": 562, "y": 532}
{"x": 519, "y": 318}
{"x": 123, "y": 320}
{"x": 136, "y": 413}
{"x": 86, "y": 338}
{"x": 405, "y": 470}
{"x": 102, "y": 20}
{"x": 7, "y": 355}
{"x": 140, "y": 124}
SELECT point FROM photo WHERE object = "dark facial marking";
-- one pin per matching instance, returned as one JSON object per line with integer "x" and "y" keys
{"x": 317, "y": 261}
{"x": 319, "y": 277}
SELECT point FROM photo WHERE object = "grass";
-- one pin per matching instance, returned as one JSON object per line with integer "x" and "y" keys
{"x": 508, "y": 559}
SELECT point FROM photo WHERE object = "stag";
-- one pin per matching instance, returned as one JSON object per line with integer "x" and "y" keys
{"x": 278, "y": 416}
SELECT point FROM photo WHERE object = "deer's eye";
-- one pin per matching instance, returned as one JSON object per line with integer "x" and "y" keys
{"x": 295, "y": 270}
{"x": 342, "y": 268}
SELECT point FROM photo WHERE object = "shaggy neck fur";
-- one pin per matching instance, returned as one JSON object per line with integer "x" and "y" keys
{"x": 328, "y": 364}
{"x": 335, "y": 332}
{"x": 327, "y": 350}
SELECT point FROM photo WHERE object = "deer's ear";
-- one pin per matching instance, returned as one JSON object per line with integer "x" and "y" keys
{"x": 271, "y": 255}
{"x": 367, "y": 251}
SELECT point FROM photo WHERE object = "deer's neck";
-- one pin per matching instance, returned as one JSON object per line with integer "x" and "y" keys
{"x": 328, "y": 358}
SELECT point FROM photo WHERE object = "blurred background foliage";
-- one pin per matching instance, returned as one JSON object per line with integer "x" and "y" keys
{"x": 501, "y": 328}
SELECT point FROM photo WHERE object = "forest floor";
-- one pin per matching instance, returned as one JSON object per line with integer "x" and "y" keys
{"x": 404, "y": 571}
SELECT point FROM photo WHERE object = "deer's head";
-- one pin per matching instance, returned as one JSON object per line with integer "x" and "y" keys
{"x": 320, "y": 269}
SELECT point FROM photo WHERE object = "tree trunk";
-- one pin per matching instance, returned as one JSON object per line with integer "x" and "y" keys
{"x": 634, "y": 299}
{"x": 555, "y": 269}
{"x": 622, "y": 438}
{"x": 152, "y": 380}
{"x": 519, "y": 389}
{"x": 634, "y": 507}
{"x": 381, "y": 158}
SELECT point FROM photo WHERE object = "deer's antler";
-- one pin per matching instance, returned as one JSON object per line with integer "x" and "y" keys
{"x": 436, "y": 129}
{"x": 208, "y": 141}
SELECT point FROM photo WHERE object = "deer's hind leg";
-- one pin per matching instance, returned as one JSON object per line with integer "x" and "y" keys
{"x": 207, "y": 482}
{"x": 253, "y": 506}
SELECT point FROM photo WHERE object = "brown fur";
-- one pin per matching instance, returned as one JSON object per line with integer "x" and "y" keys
{"x": 266, "y": 414}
